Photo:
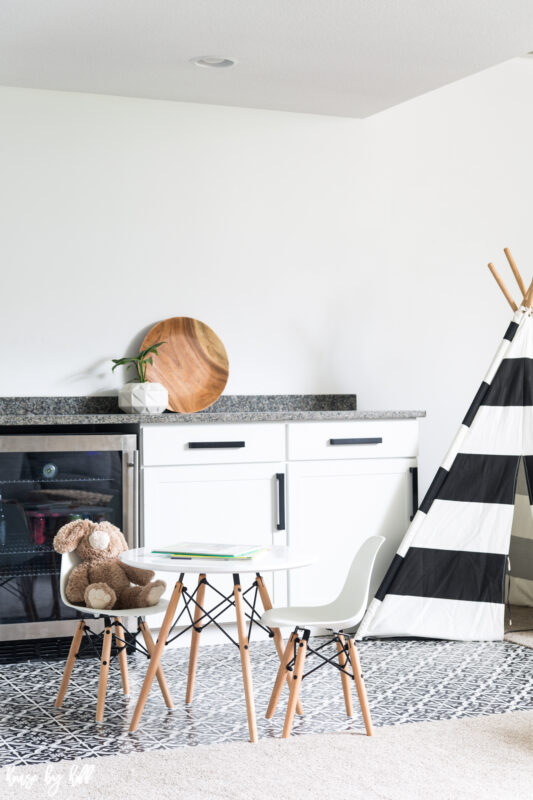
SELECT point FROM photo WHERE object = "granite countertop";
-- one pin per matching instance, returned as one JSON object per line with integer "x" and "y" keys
{"x": 228, "y": 408}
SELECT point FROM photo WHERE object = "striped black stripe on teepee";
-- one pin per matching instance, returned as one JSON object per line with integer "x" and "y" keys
{"x": 481, "y": 394}
{"x": 512, "y": 385}
{"x": 510, "y": 332}
{"x": 450, "y": 575}
{"x": 474, "y": 478}
{"x": 480, "y": 478}
{"x": 476, "y": 402}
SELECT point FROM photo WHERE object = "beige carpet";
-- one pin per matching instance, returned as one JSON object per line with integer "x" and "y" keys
{"x": 522, "y": 618}
{"x": 481, "y": 757}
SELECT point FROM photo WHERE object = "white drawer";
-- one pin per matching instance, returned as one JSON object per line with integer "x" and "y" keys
{"x": 365, "y": 439}
{"x": 164, "y": 445}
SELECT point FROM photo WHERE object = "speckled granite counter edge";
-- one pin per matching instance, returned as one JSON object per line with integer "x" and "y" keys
{"x": 176, "y": 419}
{"x": 103, "y": 410}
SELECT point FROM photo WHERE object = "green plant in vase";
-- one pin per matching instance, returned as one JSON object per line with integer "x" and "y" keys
{"x": 141, "y": 396}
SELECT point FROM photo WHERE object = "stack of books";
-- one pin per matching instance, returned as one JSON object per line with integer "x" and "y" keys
{"x": 217, "y": 552}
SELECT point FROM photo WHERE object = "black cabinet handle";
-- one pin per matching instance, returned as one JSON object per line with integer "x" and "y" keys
{"x": 414, "y": 489}
{"x": 368, "y": 440}
{"x": 214, "y": 445}
{"x": 280, "y": 477}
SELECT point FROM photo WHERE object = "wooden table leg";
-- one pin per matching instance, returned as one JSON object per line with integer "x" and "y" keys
{"x": 278, "y": 638}
{"x": 360, "y": 685}
{"x": 245, "y": 658}
{"x": 122, "y": 655}
{"x": 155, "y": 658}
{"x": 104, "y": 670}
{"x": 162, "y": 681}
{"x": 345, "y": 678}
{"x": 71, "y": 660}
{"x": 195, "y": 639}
{"x": 296, "y": 682}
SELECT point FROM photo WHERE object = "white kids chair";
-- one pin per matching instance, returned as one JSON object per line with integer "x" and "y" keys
{"x": 343, "y": 613}
{"x": 114, "y": 631}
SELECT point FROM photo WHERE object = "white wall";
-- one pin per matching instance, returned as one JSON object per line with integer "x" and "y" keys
{"x": 331, "y": 255}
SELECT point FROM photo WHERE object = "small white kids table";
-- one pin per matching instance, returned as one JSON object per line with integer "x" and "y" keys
{"x": 277, "y": 558}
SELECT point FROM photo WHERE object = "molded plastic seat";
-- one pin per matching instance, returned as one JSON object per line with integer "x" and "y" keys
{"x": 114, "y": 631}
{"x": 344, "y": 612}
{"x": 349, "y": 607}
{"x": 71, "y": 560}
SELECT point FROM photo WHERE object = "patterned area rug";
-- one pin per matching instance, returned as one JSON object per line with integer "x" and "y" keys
{"x": 407, "y": 681}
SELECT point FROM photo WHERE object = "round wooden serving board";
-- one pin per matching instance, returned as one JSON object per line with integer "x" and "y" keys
{"x": 193, "y": 364}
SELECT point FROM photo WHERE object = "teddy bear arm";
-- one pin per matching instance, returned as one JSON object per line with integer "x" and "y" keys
{"x": 78, "y": 581}
{"x": 141, "y": 577}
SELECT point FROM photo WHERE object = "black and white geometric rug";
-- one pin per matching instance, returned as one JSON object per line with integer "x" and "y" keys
{"x": 407, "y": 681}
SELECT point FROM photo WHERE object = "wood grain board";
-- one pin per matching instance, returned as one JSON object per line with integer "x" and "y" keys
{"x": 192, "y": 364}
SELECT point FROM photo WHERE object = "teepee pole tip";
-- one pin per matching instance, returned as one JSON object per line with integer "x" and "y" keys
{"x": 516, "y": 272}
{"x": 502, "y": 286}
{"x": 528, "y": 299}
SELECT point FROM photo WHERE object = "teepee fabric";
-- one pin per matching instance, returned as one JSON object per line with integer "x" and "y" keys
{"x": 447, "y": 579}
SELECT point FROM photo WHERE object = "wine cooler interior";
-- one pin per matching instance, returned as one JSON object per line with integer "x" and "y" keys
{"x": 69, "y": 478}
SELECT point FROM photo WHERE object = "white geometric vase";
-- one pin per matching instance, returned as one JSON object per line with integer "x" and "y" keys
{"x": 143, "y": 398}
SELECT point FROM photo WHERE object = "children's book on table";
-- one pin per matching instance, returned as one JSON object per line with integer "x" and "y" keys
{"x": 221, "y": 552}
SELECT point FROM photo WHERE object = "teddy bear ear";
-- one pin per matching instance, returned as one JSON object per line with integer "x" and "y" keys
{"x": 123, "y": 541}
{"x": 121, "y": 538}
{"x": 69, "y": 536}
{"x": 116, "y": 532}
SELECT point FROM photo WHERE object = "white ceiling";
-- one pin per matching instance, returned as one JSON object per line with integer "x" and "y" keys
{"x": 346, "y": 57}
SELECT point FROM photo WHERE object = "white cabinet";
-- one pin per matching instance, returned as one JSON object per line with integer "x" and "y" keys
{"x": 375, "y": 438}
{"x": 224, "y": 443}
{"x": 333, "y": 507}
{"x": 346, "y": 480}
{"x": 236, "y": 503}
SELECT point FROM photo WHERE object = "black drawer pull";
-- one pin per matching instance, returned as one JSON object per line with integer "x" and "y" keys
{"x": 214, "y": 445}
{"x": 369, "y": 440}
{"x": 280, "y": 477}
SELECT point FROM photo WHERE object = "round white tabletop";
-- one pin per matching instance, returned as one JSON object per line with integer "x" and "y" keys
{"x": 274, "y": 559}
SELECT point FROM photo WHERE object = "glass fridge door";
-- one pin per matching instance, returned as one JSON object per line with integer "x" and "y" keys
{"x": 40, "y": 492}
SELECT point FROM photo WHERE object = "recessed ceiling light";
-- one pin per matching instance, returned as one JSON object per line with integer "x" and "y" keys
{"x": 213, "y": 62}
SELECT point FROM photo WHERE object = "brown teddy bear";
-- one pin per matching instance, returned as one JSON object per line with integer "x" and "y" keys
{"x": 102, "y": 581}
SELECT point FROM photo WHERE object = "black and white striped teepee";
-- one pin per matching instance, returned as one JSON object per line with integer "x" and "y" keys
{"x": 447, "y": 579}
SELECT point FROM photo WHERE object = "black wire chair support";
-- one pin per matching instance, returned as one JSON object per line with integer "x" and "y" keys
{"x": 93, "y": 640}
{"x": 338, "y": 638}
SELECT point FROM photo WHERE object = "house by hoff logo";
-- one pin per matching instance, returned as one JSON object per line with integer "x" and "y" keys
{"x": 21, "y": 778}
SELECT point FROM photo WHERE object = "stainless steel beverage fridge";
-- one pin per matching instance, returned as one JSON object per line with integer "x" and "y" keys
{"x": 46, "y": 481}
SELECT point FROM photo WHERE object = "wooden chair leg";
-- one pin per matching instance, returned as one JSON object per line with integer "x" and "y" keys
{"x": 281, "y": 677}
{"x": 150, "y": 646}
{"x": 155, "y": 657}
{"x": 245, "y": 659}
{"x": 122, "y": 655}
{"x": 104, "y": 671}
{"x": 278, "y": 638}
{"x": 195, "y": 640}
{"x": 71, "y": 660}
{"x": 296, "y": 682}
{"x": 345, "y": 678}
{"x": 360, "y": 685}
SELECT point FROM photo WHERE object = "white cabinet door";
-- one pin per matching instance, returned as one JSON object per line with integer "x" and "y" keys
{"x": 227, "y": 503}
{"x": 333, "y": 507}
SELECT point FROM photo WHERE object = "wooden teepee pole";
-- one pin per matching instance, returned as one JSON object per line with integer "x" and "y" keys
{"x": 503, "y": 287}
{"x": 527, "y": 302}
{"x": 516, "y": 273}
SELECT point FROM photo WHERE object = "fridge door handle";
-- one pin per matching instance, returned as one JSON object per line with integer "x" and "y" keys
{"x": 130, "y": 461}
